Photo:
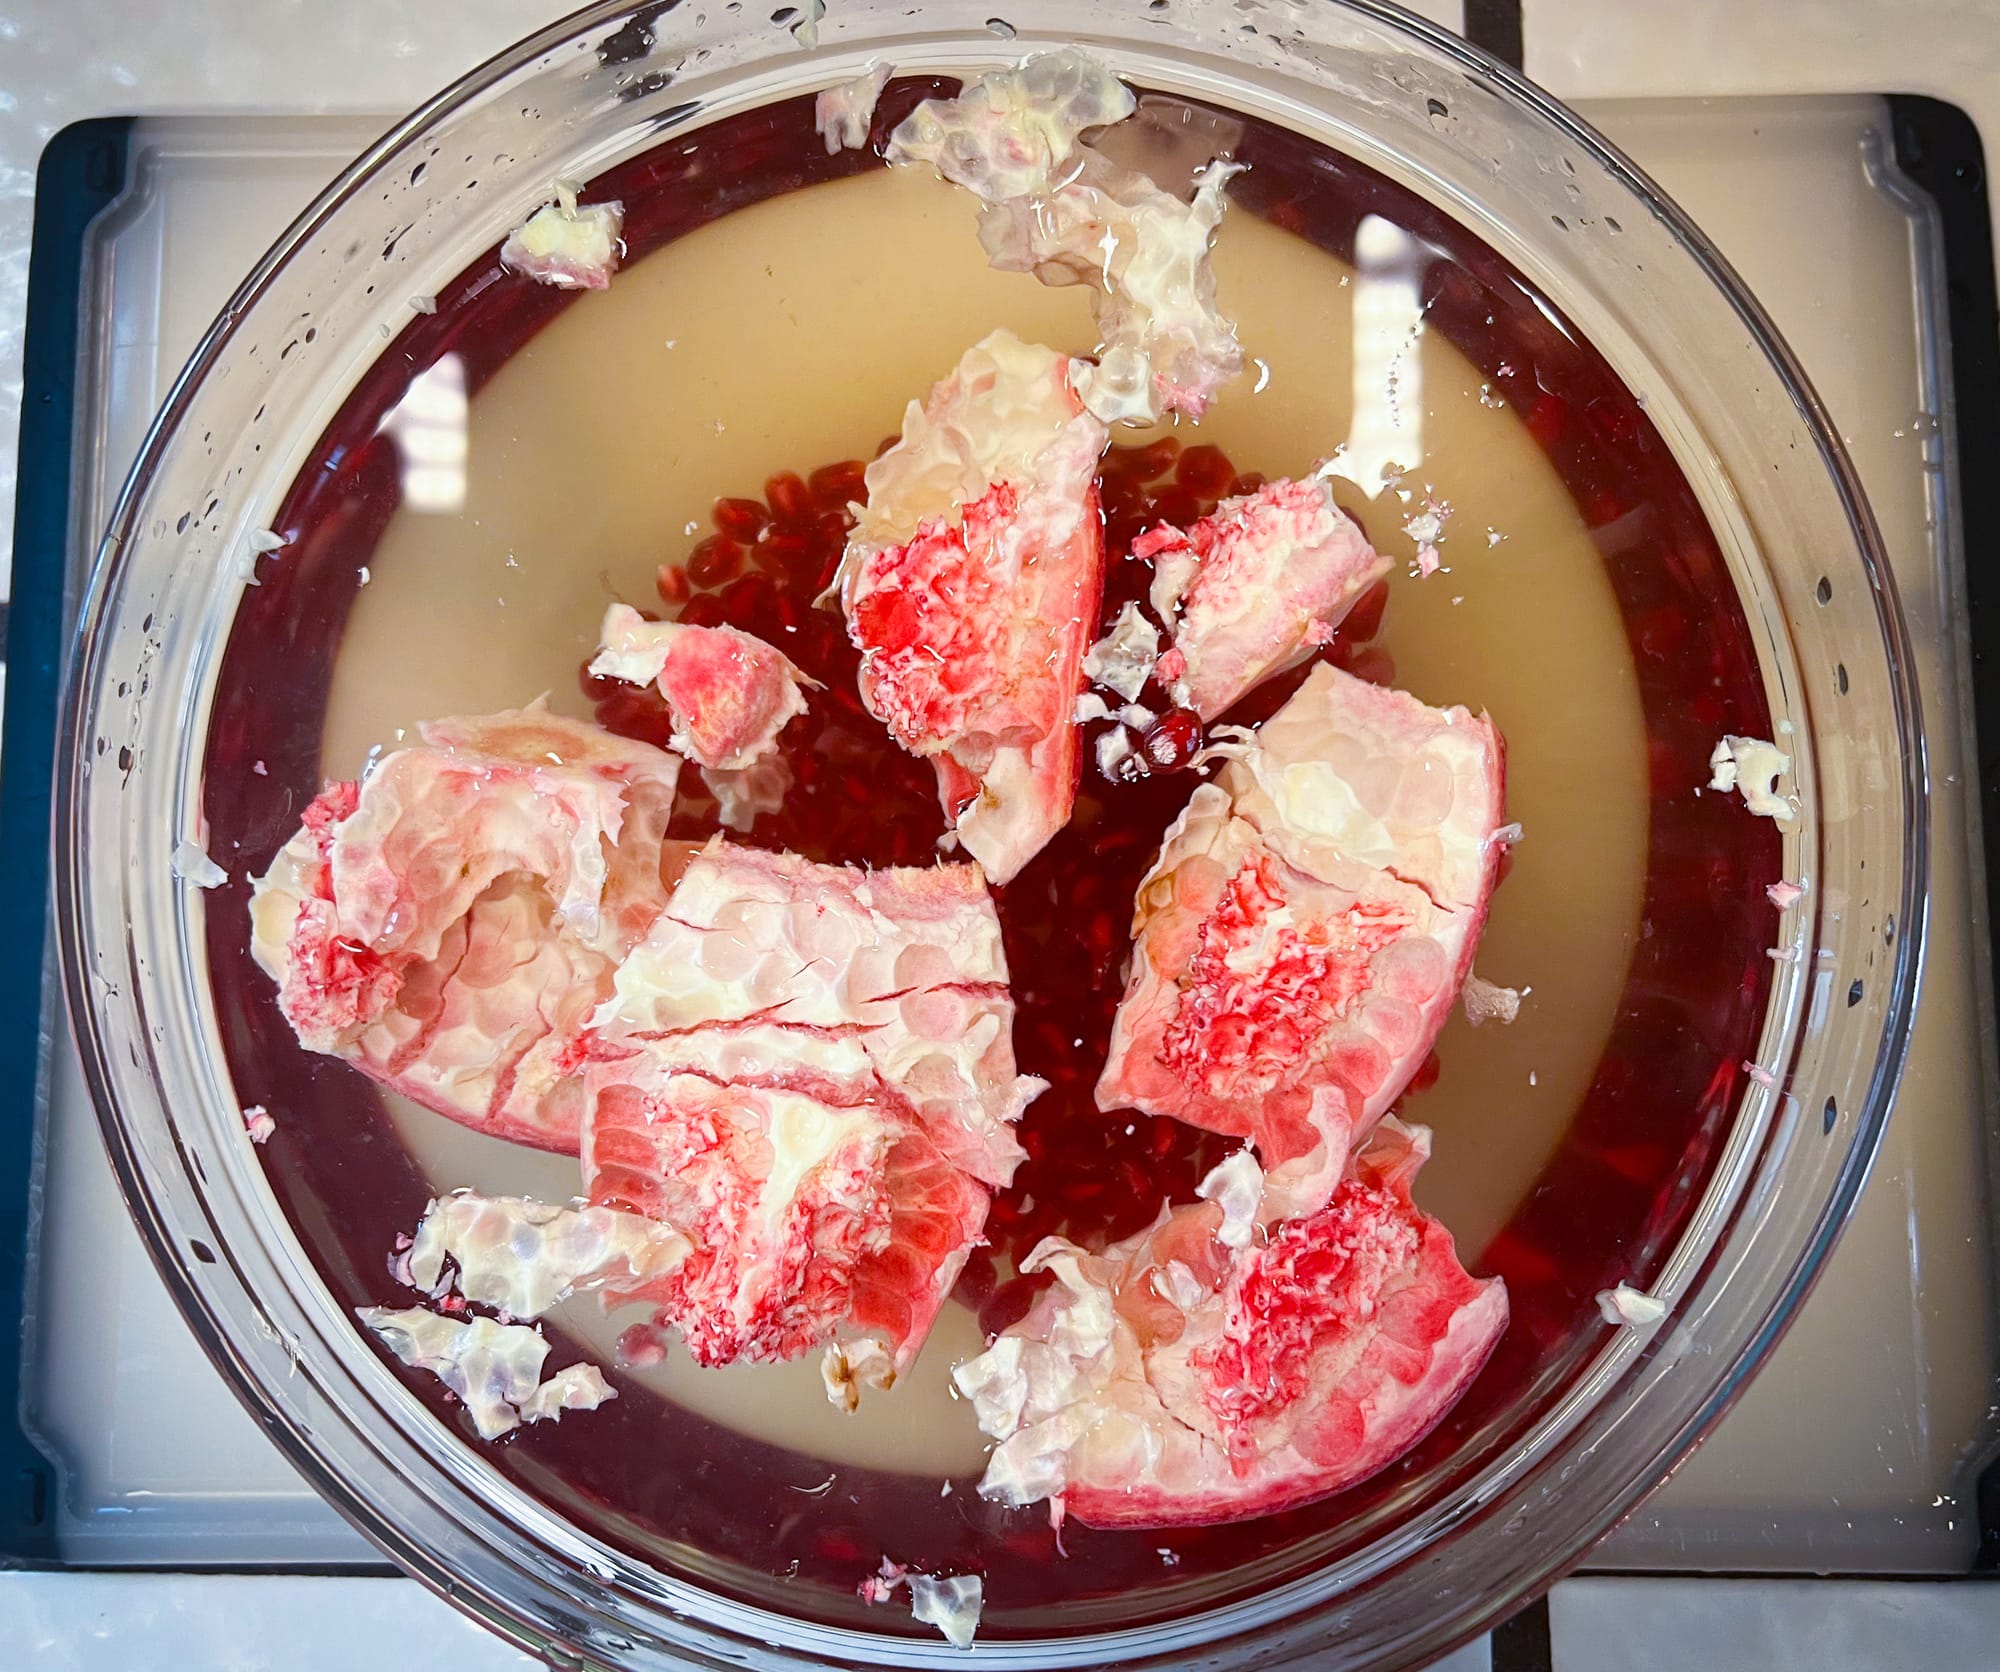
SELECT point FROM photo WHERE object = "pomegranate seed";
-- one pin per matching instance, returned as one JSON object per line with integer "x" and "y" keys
{"x": 834, "y": 485}
{"x": 1373, "y": 664}
{"x": 1205, "y": 471}
{"x": 1009, "y": 1303}
{"x": 741, "y": 519}
{"x": 1247, "y": 483}
{"x": 1170, "y": 741}
{"x": 595, "y": 687}
{"x": 1547, "y": 419}
{"x": 671, "y": 583}
{"x": 976, "y": 1281}
{"x": 885, "y": 444}
{"x": 1156, "y": 458}
{"x": 745, "y": 602}
{"x": 790, "y": 500}
{"x": 1177, "y": 506}
{"x": 703, "y": 610}
{"x": 715, "y": 560}
{"x": 786, "y": 554}
{"x": 1364, "y": 621}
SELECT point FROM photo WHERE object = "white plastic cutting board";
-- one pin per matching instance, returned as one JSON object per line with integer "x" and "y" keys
{"x": 1846, "y": 1457}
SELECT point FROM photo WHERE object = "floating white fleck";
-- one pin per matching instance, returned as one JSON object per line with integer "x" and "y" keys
{"x": 1237, "y": 1186}
{"x": 843, "y": 112}
{"x": 365, "y": 574}
{"x": 1114, "y": 749}
{"x": 191, "y": 864}
{"x": 1785, "y": 895}
{"x": 806, "y": 30}
{"x": 1752, "y": 767}
{"x": 258, "y": 1123}
{"x": 1627, "y": 1305}
{"x": 424, "y": 304}
{"x": 1123, "y": 660}
{"x": 1427, "y": 526}
{"x": 1090, "y": 706}
{"x": 952, "y": 1605}
{"x": 1760, "y": 1076}
{"x": 495, "y": 1369}
{"x": 1485, "y": 1002}
{"x": 847, "y": 1366}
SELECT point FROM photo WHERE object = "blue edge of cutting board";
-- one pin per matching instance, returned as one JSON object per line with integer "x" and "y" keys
{"x": 82, "y": 171}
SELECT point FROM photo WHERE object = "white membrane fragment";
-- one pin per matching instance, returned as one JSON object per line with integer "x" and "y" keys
{"x": 1627, "y": 1305}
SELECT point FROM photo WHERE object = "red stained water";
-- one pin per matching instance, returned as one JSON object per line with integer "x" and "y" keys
{"x": 648, "y": 1475}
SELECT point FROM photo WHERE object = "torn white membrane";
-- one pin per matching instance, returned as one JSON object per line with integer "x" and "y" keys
{"x": 495, "y": 1369}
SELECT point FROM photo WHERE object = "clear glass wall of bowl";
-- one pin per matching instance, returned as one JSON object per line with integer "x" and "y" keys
{"x": 1558, "y": 1460}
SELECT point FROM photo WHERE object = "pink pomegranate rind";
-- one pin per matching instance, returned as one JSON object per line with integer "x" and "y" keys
{"x": 808, "y": 1070}
{"x": 1300, "y": 941}
{"x": 843, "y": 983}
{"x": 449, "y": 924}
{"x": 971, "y": 587}
{"x": 1174, "y": 1381}
{"x": 810, "y": 1220}
{"x": 1256, "y": 587}
{"x": 729, "y": 692}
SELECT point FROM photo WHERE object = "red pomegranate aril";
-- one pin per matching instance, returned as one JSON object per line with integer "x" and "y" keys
{"x": 741, "y": 519}
{"x": 1249, "y": 482}
{"x": 745, "y": 602}
{"x": 785, "y": 554}
{"x": 703, "y": 610}
{"x": 790, "y": 499}
{"x": 595, "y": 687}
{"x": 1373, "y": 664}
{"x": 1364, "y": 621}
{"x": 885, "y": 444}
{"x": 670, "y": 581}
{"x": 1547, "y": 419}
{"x": 1142, "y": 464}
{"x": 1205, "y": 471}
{"x": 1170, "y": 741}
{"x": 834, "y": 486}
{"x": 715, "y": 560}
{"x": 1009, "y": 1303}
{"x": 1179, "y": 506}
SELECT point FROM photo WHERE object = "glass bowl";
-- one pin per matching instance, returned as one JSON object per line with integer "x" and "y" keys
{"x": 1753, "y": 590}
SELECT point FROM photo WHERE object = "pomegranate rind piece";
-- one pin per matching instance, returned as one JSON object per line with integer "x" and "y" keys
{"x": 570, "y": 247}
{"x": 1058, "y": 209}
{"x": 729, "y": 692}
{"x": 971, "y": 586}
{"x": 521, "y": 1257}
{"x": 1256, "y": 587}
{"x": 1144, "y": 254}
{"x": 1299, "y": 943}
{"x": 449, "y": 924}
{"x": 810, "y": 1221}
{"x": 1009, "y": 133}
{"x": 1172, "y": 1381}
{"x": 840, "y": 983}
